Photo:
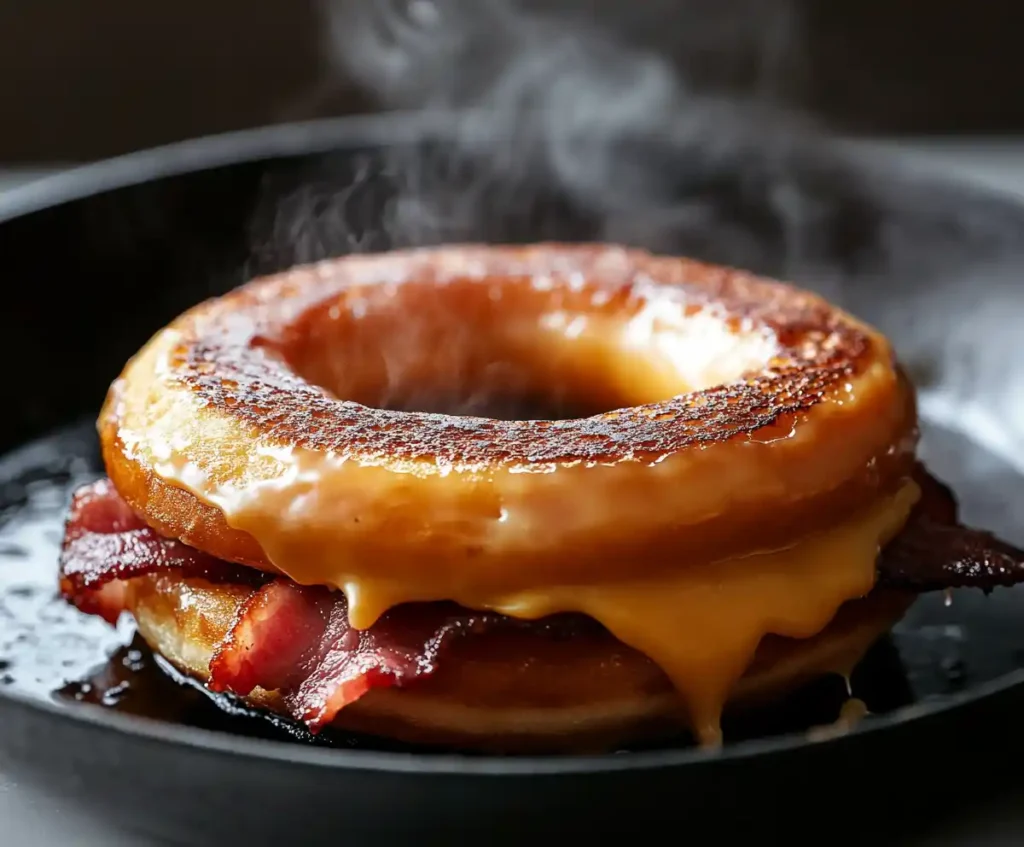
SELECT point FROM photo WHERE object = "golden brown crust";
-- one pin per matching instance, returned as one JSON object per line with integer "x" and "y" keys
{"x": 233, "y": 355}
{"x": 511, "y": 691}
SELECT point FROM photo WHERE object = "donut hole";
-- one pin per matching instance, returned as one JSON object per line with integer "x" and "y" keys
{"x": 510, "y": 351}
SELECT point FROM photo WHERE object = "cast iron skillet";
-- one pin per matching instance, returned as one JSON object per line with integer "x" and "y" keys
{"x": 96, "y": 260}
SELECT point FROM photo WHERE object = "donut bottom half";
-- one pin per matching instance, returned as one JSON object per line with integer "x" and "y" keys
{"x": 511, "y": 691}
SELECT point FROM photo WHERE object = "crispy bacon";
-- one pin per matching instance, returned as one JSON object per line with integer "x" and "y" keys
{"x": 930, "y": 556}
{"x": 296, "y": 640}
{"x": 105, "y": 543}
{"x": 273, "y": 640}
{"x": 935, "y": 552}
{"x": 288, "y": 638}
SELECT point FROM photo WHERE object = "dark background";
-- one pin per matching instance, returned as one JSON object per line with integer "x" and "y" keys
{"x": 80, "y": 79}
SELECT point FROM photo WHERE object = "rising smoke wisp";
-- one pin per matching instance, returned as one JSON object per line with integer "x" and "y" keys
{"x": 602, "y": 121}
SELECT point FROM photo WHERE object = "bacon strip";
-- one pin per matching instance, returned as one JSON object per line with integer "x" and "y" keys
{"x": 105, "y": 543}
{"x": 288, "y": 638}
{"x": 935, "y": 552}
{"x": 933, "y": 557}
{"x": 296, "y": 640}
{"x": 273, "y": 640}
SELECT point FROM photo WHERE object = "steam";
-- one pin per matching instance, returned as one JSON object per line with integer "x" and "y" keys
{"x": 609, "y": 121}
{"x": 605, "y": 120}
{"x": 553, "y": 98}
{"x": 449, "y": 51}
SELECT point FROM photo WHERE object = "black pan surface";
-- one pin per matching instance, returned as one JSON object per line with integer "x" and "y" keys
{"x": 98, "y": 259}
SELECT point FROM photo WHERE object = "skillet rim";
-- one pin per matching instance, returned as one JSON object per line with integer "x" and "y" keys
{"x": 320, "y": 136}
{"x": 207, "y": 152}
{"x": 454, "y": 764}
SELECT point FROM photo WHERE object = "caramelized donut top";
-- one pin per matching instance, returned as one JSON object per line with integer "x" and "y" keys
{"x": 686, "y": 354}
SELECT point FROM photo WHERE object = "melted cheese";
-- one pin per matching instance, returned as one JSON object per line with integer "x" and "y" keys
{"x": 700, "y": 625}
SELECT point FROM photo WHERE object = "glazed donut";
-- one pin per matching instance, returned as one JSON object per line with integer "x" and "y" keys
{"x": 743, "y": 410}
{"x": 302, "y": 425}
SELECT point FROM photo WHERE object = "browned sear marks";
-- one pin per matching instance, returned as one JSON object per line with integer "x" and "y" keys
{"x": 234, "y": 352}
